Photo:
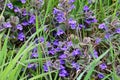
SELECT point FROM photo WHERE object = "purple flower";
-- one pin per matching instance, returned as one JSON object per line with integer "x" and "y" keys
{"x": 98, "y": 40}
{"x": 56, "y": 11}
{"x": 32, "y": 19}
{"x": 25, "y": 23}
{"x": 86, "y": 8}
{"x": 59, "y": 15}
{"x": 75, "y": 65}
{"x": 10, "y": 5}
{"x": 118, "y": 30}
{"x": 100, "y": 76}
{"x": 81, "y": 26}
{"x": 47, "y": 65}
{"x": 103, "y": 66}
{"x": 63, "y": 73}
{"x": 51, "y": 51}
{"x": 16, "y": 9}
{"x": 42, "y": 39}
{"x": 59, "y": 32}
{"x": 63, "y": 56}
{"x": 91, "y": 20}
{"x": 21, "y": 36}
{"x": 76, "y": 52}
{"x": 102, "y": 26}
{"x": 72, "y": 23}
{"x": 23, "y": 1}
{"x": 32, "y": 66}
{"x": 71, "y": 1}
{"x": 107, "y": 35}
{"x": 35, "y": 55}
{"x": 7, "y": 25}
{"x": 62, "y": 61}
{"x": 64, "y": 48}
{"x": 19, "y": 27}
{"x": 95, "y": 54}
{"x": 69, "y": 44}
{"x": 24, "y": 12}
{"x": 56, "y": 42}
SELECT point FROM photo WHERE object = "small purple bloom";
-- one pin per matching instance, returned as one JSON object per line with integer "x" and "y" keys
{"x": 81, "y": 26}
{"x": 95, "y": 54}
{"x": 59, "y": 15}
{"x": 7, "y": 25}
{"x": 23, "y": 1}
{"x": 107, "y": 35}
{"x": 16, "y": 9}
{"x": 63, "y": 73}
{"x": 19, "y": 27}
{"x": 47, "y": 65}
{"x": 32, "y": 19}
{"x": 103, "y": 66}
{"x": 24, "y": 12}
{"x": 102, "y": 26}
{"x": 56, "y": 42}
{"x": 63, "y": 56}
{"x": 34, "y": 53}
{"x": 21, "y": 36}
{"x": 75, "y": 65}
{"x": 10, "y": 5}
{"x": 32, "y": 66}
{"x": 25, "y": 23}
{"x": 60, "y": 32}
{"x": 64, "y": 48}
{"x": 72, "y": 23}
{"x": 42, "y": 39}
{"x": 71, "y": 1}
{"x": 86, "y": 8}
{"x": 51, "y": 51}
{"x": 100, "y": 76}
{"x": 69, "y": 44}
{"x": 118, "y": 30}
{"x": 98, "y": 40}
{"x": 76, "y": 52}
{"x": 91, "y": 20}
{"x": 62, "y": 61}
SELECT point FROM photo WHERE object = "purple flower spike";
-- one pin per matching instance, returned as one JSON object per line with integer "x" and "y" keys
{"x": 103, "y": 66}
{"x": 75, "y": 65}
{"x": 21, "y": 36}
{"x": 100, "y": 76}
{"x": 97, "y": 41}
{"x": 86, "y": 8}
{"x": 72, "y": 23}
{"x": 69, "y": 44}
{"x": 118, "y": 30}
{"x": 32, "y": 19}
{"x": 47, "y": 65}
{"x": 51, "y": 51}
{"x": 23, "y": 1}
{"x": 16, "y": 9}
{"x": 42, "y": 39}
{"x": 19, "y": 27}
{"x": 30, "y": 65}
{"x": 95, "y": 54}
{"x": 60, "y": 32}
{"x": 10, "y": 5}
{"x": 107, "y": 35}
{"x": 63, "y": 73}
{"x": 25, "y": 23}
{"x": 7, "y": 25}
{"x": 76, "y": 52}
{"x": 63, "y": 56}
{"x": 102, "y": 26}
